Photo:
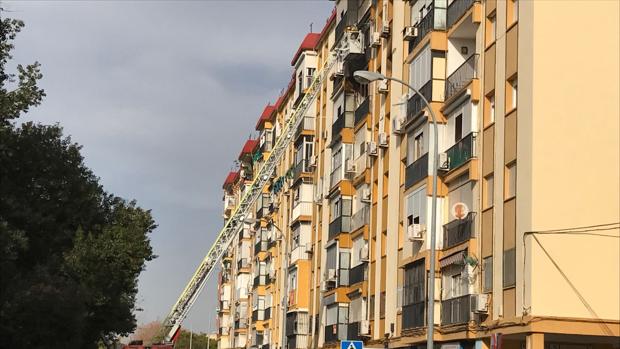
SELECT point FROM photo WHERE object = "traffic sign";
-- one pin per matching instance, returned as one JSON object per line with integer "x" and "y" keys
{"x": 351, "y": 345}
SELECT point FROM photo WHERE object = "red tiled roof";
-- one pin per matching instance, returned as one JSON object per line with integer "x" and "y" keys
{"x": 266, "y": 115}
{"x": 231, "y": 179}
{"x": 308, "y": 43}
{"x": 329, "y": 21}
{"x": 248, "y": 147}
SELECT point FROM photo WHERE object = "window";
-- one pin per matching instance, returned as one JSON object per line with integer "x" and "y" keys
{"x": 489, "y": 107}
{"x": 413, "y": 283}
{"x": 511, "y": 94}
{"x": 416, "y": 207}
{"x": 509, "y": 268}
{"x": 487, "y": 277}
{"x": 490, "y": 29}
{"x": 420, "y": 68}
{"x": 415, "y": 146}
{"x": 336, "y": 208}
{"x": 309, "y": 76}
{"x": 300, "y": 82}
{"x": 488, "y": 191}
{"x": 458, "y": 128}
{"x": 510, "y": 181}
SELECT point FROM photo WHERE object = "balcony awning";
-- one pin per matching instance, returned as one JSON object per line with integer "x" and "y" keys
{"x": 456, "y": 258}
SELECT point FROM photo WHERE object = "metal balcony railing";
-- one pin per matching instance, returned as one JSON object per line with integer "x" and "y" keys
{"x": 353, "y": 331}
{"x": 335, "y": 177}
{"x": 462, "y": 151}
{"x": 268, "y": 313}
{"x": 415, "y": 103}
{"x": 414, "y": 315}
{"x": 362, "y": 110}
{"x": 457, "y": 9}
{"x": 435, "y": 19}
{"x": 458, "y": 231}
{"x": 261, "y": 246}
{"x": 339, "y": 225}
{"x": 307, "y": 124}
{"x": 462, "y": 76}
{"x": 300, "y": 168}
{"x": 358, "y": 273}
{"x": 243, "y": 263}
{"x": 360, "y": 218}
{"x": 455, "y": 310}
{"x": 260, "y": 280}
{"x": 258, "y": 315}
{"x": 336, "y": 332}
{"x": 416, "y": 171}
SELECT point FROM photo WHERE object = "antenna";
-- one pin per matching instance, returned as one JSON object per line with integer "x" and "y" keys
{"x": 311, "y": 27}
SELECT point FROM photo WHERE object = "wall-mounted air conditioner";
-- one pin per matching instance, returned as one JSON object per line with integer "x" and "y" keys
{"x": 363, "y": 253}
{"x": 443, "y": 162}
{"x": 410, "y": 33}
{"x": 364, "y": 328}
{"x": 415, "y": 232}
{"x": 383, "y": 141}
{"x": 349, "y": 166}
{"x": 365, "y": 195}
{"x": 375, "y": 40}
{"x": 372, "y": 148}
{"x": 398, "y": 124}
{"x": 479, "y": 303}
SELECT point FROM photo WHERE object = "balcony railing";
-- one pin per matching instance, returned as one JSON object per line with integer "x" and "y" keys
{"x": 303, "y": 208}
{"x": 335, "y": 177}
{"x": 243, "y": 263}
{"x": 260, "y": 246}
{"x": 413, "y": 315}
{"x": 462, "y": 151}
{"x": 306, "y": 124}
{"x": 415, "y": 104}
{"x": 345, "y": 120}
{"x": 457, "y": 9}
{"x": 455, "y": 310}
{"x": 300, "y": 168}
{"x": 339, "y": 225}
{"x": 244, "y": 234}
{"x": 358, "y": 273}
{"x": 258, "y": 315}
{"x": 361, "y": 164}
{"x": 353, "y": 331}
{"x": 260, "y": 280}
{"x": 336, "y": 332}
{"x": 268, "y": 313}
{"x": 435, "y": 19}
{"x": 458, "y": 231}
{"x": 360, "y": 218}
{"x": 416, "y": 171}
{"x": 462, "y": 75}
{"x": 362, "y": 110}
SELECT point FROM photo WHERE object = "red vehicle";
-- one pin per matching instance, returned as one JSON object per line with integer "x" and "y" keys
{"x": 140, "y": 345}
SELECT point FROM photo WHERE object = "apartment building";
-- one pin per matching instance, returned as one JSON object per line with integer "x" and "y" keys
{"x": 526, "y": 257}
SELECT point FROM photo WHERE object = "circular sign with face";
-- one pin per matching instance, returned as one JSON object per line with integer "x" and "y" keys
{"x": 460, "y": 210}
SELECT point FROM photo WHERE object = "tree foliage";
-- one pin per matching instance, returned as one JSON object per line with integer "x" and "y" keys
{"x": 70, "y": 253}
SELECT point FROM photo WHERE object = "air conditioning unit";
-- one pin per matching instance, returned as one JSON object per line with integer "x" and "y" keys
{"x": 363, "y": 253}
{"x": 479, "y": 303}
{"x": 331, "y": 275}
{"x": 372, "y": 148}
{"x": 383, "y": 86}
{"x": 398, "y": 124}
{"x": 349, "y": 166}
{"x": 375, "y": 41}
{"x": 364, "y": 328}
{"x": 443, "y": 162}
{"x": 312, "y": 163}
{"x": 410, "y": 33}
{"x": 383, "y": 141}
{"x": 414, "y": 232}
{"x": 365, "y": 195}
{"x": 318, "y": 198}
{"x": 325, "y": 134}
{"x": 385, "y": 29}
{"x": 308, "y": 248}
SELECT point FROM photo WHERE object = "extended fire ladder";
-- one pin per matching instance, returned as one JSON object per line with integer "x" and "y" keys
{"x": 179, "y": 311}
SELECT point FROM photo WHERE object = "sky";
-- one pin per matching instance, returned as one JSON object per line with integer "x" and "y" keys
{"x": 162, "y": 95}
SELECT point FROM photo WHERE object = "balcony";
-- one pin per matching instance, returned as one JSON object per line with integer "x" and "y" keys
{"x": 455, "y": 310}
{"x": 414, "y": 315}
{"x": 268, "y": 313}
{"x": 361, "y": 164}
{"x": 336, "y": 332}
{"x": 339, "y": 225}
{"x": 258, "y": 315}
{"x": 345, "y": 120}
{"x": 297, "y": 323}
{"x": 241, "y": 324}
{"x": 463, "y": 75}
{"x": 261, "y": 246}
{"x": 457, "y": 9}
{"x": 243, "y": 263}
{"x": 335, "y": 177}
{"x": 360, "y": 218}
{"x": 358, "y": 273}
{"x": 416, "y": 171}
{"x": 302, "y": 208}
{"x": 458, "y": 231}
{"x": 260, "y": 280}
{"x": 461, "y": 152}
{"x": 415, "y": 104}
{"x": 302, "y": 252}
{"x": 301, "y": 168}
{"x": 435, "y": 19}
{"x": 362, "y": 110}
{"x": 307, "y": 124}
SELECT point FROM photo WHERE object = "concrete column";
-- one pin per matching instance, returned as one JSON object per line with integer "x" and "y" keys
{"x": 535, "y": 341}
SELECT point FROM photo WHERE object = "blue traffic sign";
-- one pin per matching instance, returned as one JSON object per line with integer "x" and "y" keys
{"x": 351, "y": 345}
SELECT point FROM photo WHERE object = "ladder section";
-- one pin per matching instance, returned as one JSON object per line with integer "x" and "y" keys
{"x": 189, "y": 295}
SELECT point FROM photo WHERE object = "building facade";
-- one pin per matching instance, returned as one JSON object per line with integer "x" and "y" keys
{"x": 527, "y": 222}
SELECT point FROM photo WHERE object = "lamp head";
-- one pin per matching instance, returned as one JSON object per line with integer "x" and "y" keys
{"x": 365, "y": 77}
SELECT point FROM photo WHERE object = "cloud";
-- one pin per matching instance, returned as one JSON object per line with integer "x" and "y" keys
{"x": 162, "y": 96}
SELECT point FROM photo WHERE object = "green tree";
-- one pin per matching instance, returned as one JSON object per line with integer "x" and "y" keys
{"x": 199, "y": 341}
{"x": 70, "y": 253}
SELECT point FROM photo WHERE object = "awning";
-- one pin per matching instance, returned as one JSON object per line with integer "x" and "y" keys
{"x": 456, "y": 258}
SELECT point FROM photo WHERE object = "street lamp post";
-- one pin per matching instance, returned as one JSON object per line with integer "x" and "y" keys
{"x": 366, "y": 77}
